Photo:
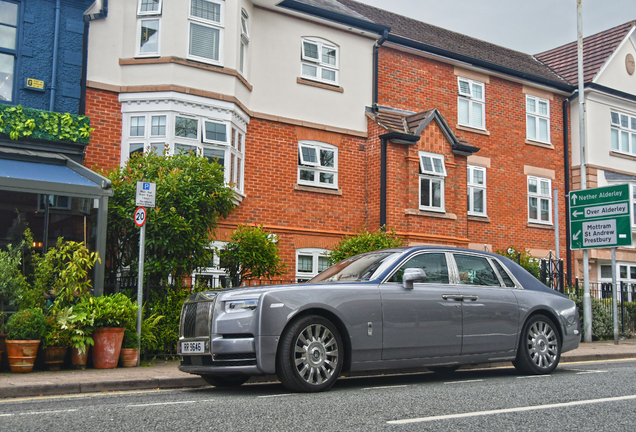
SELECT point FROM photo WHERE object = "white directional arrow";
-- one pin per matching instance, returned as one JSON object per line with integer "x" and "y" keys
{"x": 573, "y": 199}
{"x": 576, "y": 236}
{"x": 577, "y": 213}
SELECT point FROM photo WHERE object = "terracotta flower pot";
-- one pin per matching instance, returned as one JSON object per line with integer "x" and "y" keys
{"x": 78, "y": 361}
{"x": 54, "y": 357}
{"x": 22, "y": 355}
{"x": 128, "y": 357}
{"x": 107, "y": 347}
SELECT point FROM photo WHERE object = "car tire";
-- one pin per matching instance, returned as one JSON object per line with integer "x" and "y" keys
{"x": 310, "y": 355}
{"x": 539, "y": 346}
{"x": 444, "y": 370}
{"x": 225, "y": 381}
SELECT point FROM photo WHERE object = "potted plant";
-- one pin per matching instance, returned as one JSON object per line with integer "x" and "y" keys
{"x": 55, "y": 343}
{"x": 111, "y": 315}
{"x": 129, "y": 348}
{"x": 79, "y": 322}
{"x": 24, "y": 332}
{"x": 12, "y": 283}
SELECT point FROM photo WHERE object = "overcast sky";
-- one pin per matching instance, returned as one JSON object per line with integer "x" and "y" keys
{"x": 530, "y": 26}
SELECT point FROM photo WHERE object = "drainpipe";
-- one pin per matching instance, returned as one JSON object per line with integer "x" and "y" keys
{"x": 566, "y": 166}
{"x": 101, "y": 14}
{"x": 56, "y": 39}
{"x": 393, "y": 138}
{"x": 376, "y": 65}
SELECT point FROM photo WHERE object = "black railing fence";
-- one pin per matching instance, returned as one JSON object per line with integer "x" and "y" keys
{"x": 602, "y": 303}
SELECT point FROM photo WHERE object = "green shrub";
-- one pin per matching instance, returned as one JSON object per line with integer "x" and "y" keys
{"x": 364, "y": 241}
{"x": 55, "y": 335}
{"x": 251, "y": 252}
{"x": 28, "y": 324}
{"x": 131, "y": 339}
{"x": 114, "y": 310}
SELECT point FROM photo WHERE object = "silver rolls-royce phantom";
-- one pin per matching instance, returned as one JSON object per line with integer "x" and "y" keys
{"x": 393, "y": 309}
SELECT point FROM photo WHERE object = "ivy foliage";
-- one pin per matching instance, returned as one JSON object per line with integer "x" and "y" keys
{"x": 522, "y": 257}
{"x": 190, "y": 198}
{"x": 251, "y": 252}
{"x": 364, "y": 241}
{"x": 18, "y": 122}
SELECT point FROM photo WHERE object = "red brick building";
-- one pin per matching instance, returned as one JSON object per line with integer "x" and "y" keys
{"x": 444, "y": 138}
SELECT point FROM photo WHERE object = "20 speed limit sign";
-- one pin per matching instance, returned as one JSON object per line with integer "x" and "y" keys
{"x": 140, "y": 216}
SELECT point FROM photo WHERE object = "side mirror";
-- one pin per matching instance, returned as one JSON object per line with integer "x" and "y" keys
{"x": 412, "y": 275}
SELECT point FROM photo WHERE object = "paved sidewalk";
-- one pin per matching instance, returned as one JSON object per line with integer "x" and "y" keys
{"x": 166, "y": 375}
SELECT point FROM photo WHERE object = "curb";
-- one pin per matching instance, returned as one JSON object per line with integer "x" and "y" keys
{"x": 196, "y": 381}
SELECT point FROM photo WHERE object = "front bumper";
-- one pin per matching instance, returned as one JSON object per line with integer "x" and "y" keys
{"x": 233, "y": 355}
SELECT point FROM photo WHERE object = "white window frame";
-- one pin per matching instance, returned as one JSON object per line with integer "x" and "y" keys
{"x": 210, "y": 24}
{"x": 435, "y": 174}
{"x": 633, "y": 204}
{"x": 233, "y": 148}
{"x": 148, "y": 13}
{"x": 472, "y": 102}
{"x": 315, "y": 254}
{"x": 472, "y": 187}
{"x": 243, "y": 42}
{"x": 316, "y": 167}
{"x": 539, "y": 197}
{"x": 318, "y": 63}
{"x": 138, "y": 52}
{"x": 625, "y": 134}
{"x": 538, "y": 117}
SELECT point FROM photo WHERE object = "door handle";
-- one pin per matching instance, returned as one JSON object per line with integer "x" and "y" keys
{"x": 452, "y": 297}
{"x": 471, "y": 297}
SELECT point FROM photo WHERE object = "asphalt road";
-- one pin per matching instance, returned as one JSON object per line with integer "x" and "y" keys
{"x": 593, "y": 396}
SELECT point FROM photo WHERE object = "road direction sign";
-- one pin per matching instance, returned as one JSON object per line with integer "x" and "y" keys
{"x": 600, "y": 217}
{"x": 140, "y": 216}
{"x": 146, "y": 192}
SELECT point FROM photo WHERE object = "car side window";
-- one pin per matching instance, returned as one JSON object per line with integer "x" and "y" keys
{"x": 474, "y": 270}
{"x": 433, "y": 264}
{"x": 504, "y": 275}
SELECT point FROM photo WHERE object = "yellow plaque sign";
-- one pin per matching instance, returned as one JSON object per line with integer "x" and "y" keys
{"x": 34, "y": 84}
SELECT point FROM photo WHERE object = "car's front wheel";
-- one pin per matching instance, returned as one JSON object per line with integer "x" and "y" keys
{"x": 310, "y": 355}
{"x": 225, "y": 381}
{"x": 539, "y": 346}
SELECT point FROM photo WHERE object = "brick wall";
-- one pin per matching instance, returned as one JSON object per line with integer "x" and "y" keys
{"x": 104, "y": 110}
{"x": 414, "y": 83}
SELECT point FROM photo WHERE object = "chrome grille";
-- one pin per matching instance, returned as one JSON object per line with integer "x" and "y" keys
{"x": 196, "y": 319}
{"x": 189, "y": 319}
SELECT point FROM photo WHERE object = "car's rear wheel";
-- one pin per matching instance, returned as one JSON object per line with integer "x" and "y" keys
{"x": 539, "y": 346}
{"x": 225, "y": 381}
{"x": 310, "y": 355}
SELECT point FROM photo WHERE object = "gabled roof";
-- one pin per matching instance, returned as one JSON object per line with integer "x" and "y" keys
{"x": 471, "y": 48}
{"x": 405, "y": 122}
{"x": 597, "y": 49}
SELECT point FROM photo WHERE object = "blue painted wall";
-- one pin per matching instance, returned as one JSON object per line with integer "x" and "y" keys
{"x": 35, "y": 53}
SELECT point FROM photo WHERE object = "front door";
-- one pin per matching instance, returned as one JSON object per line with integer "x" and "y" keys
{"x": 425, "y": 321}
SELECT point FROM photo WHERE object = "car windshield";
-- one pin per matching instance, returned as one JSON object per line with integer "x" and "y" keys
{"x": 358, "y": 268}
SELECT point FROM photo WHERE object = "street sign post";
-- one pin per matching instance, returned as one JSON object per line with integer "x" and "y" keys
{"x": 145, "y": 197}
{"x": 600, "y": 217}
{"x": 140, "y": 216}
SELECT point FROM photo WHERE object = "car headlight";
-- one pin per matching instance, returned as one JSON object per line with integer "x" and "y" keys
{"x": 240, "y": 305}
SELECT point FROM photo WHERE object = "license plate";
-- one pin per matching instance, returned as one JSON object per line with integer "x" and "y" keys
{"x": 192, "y": 347}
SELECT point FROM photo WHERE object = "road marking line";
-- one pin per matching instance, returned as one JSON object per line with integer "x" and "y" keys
{"x": 384, "y": 387}
{"x": 590, "y": 372}
{"x": 47, "y": 412}
{"x": 6, "y": 415}
{"x": 533, "y": 376}
{"x": 280, "y": 395}
{"x": 168, "y": 403}
{"x": 462, "y": 382}
{"x": 513, "y": 410}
